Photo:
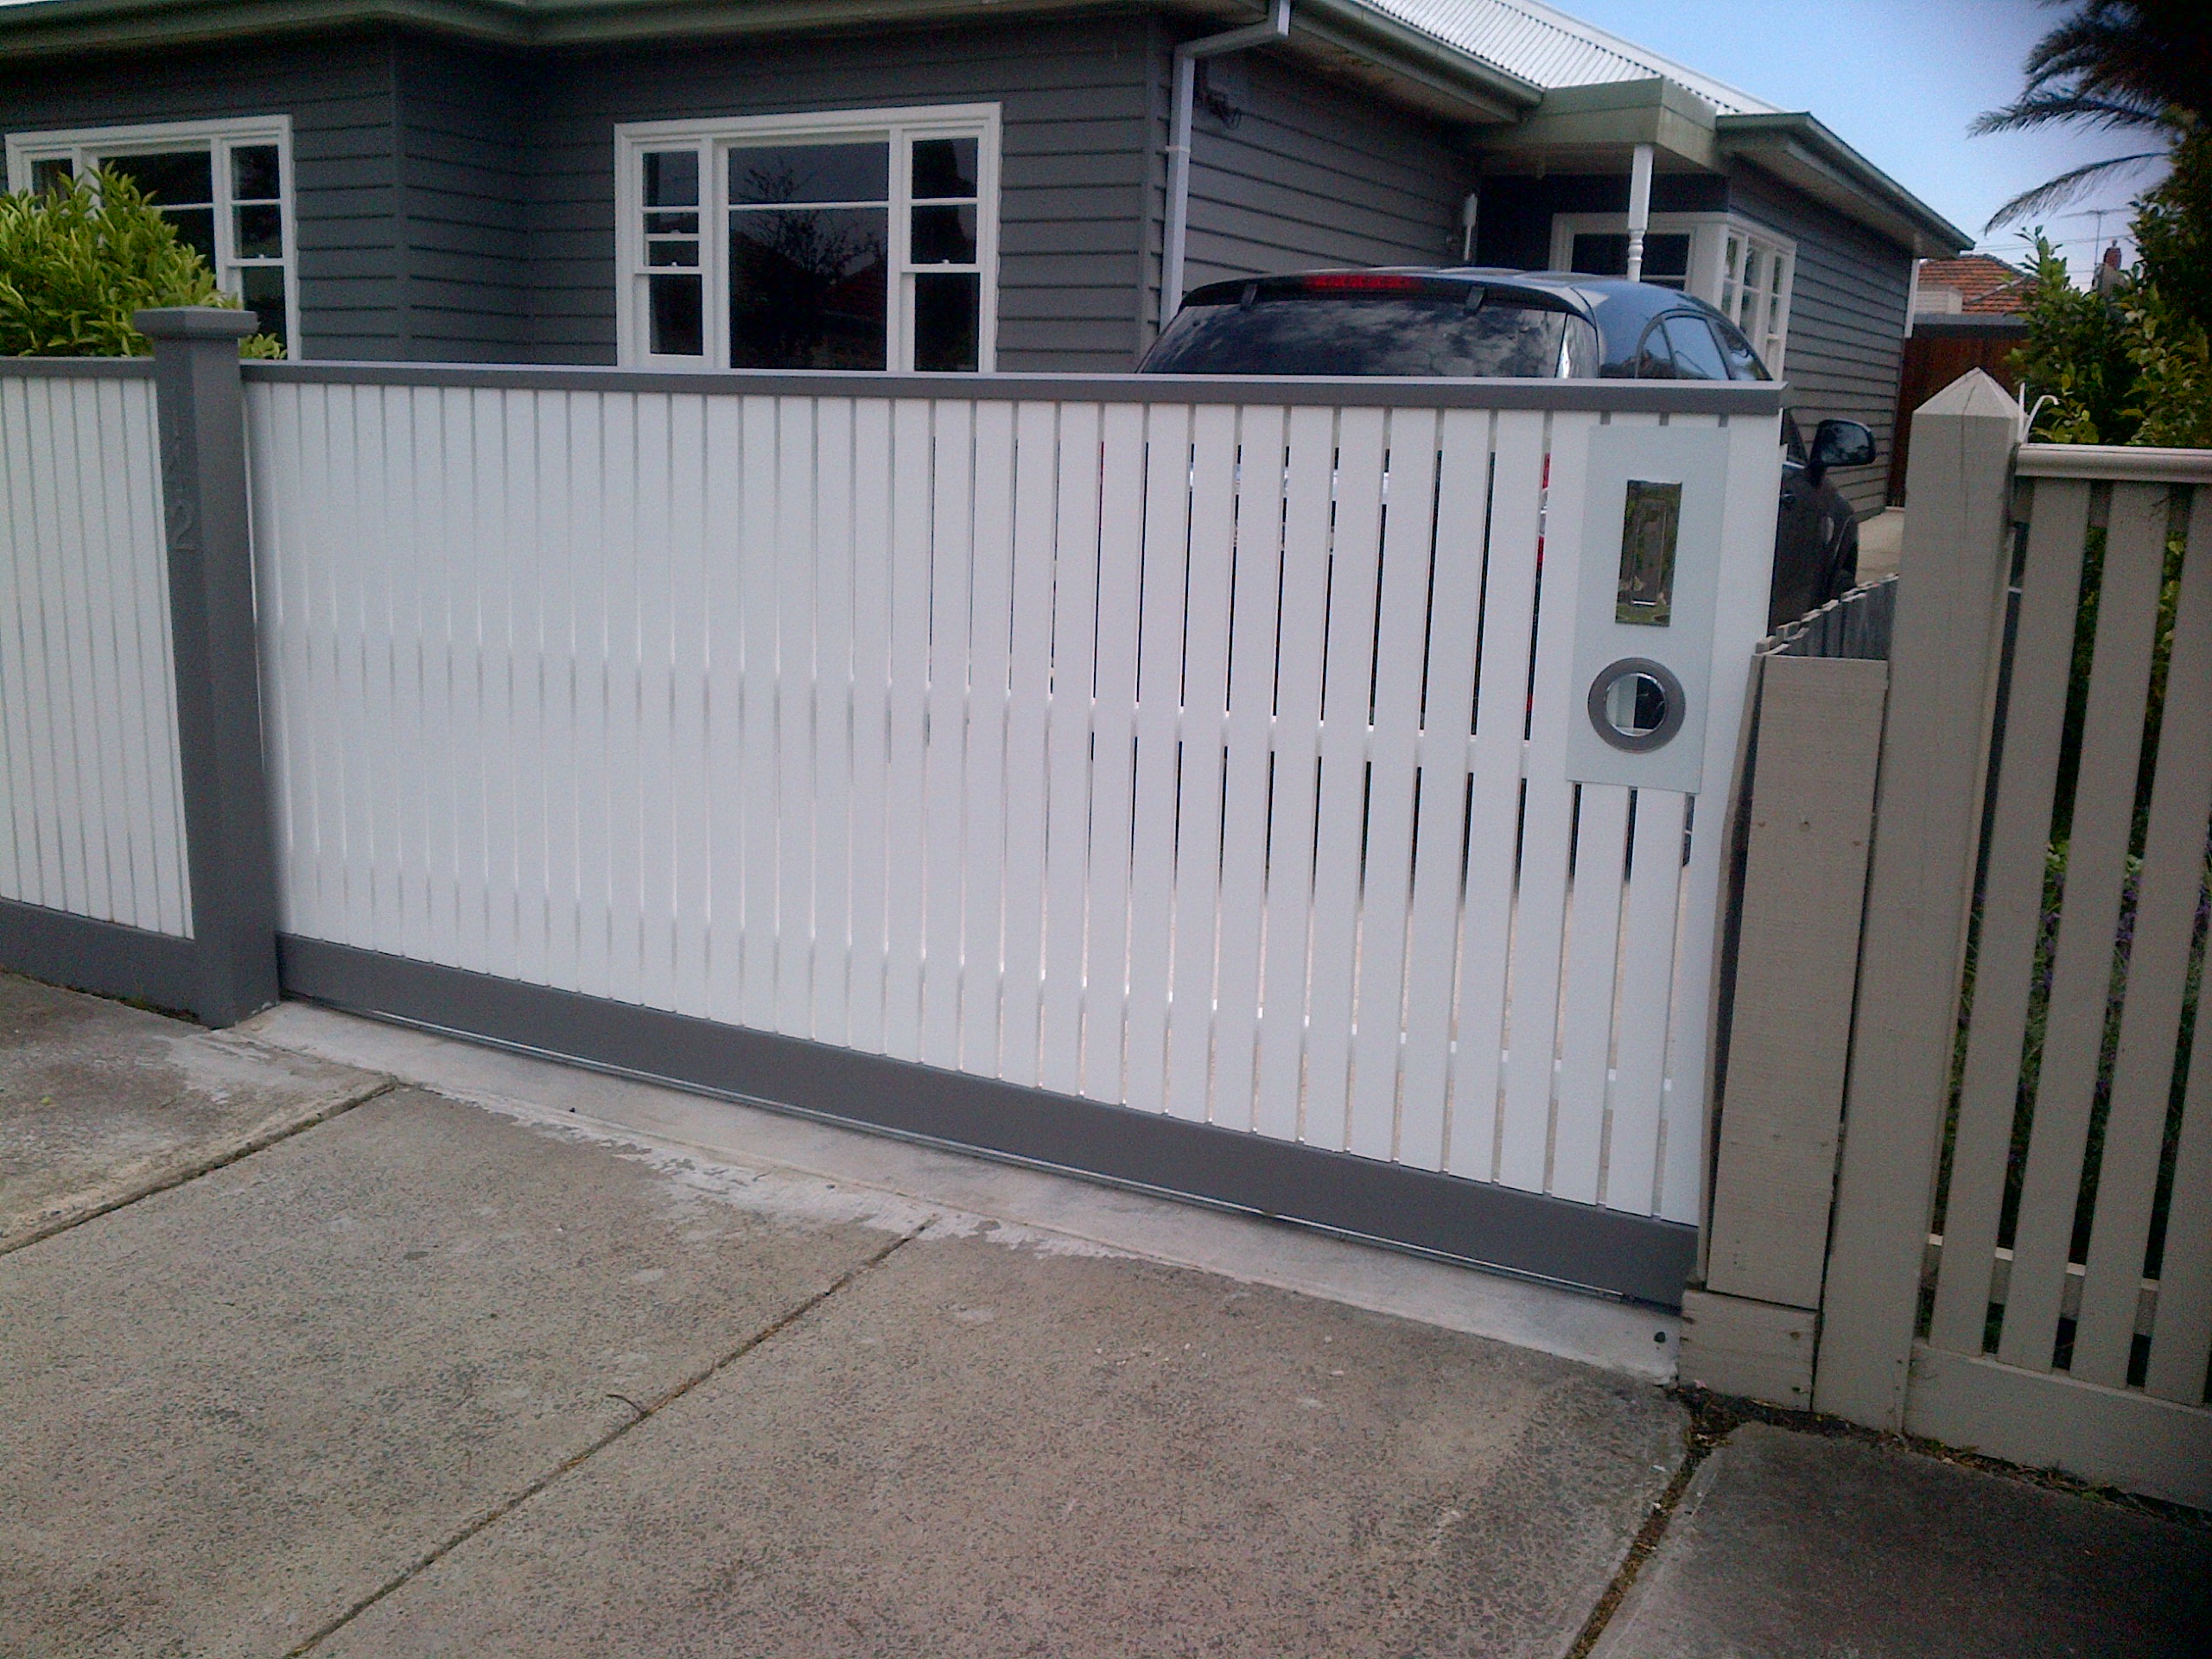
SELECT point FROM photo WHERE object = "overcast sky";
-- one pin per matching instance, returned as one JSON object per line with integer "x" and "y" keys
{"x": 1897, "y": 81}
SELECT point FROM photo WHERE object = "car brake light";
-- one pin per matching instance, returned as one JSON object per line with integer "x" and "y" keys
{"x": 1359, "y": 282}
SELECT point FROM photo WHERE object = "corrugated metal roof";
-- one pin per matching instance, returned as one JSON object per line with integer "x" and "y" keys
{"x": 1553, "y": 49}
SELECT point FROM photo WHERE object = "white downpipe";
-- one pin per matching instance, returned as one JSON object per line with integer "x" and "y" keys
{"x": 1639, "y": 210}
{"x": 1276, "y": 28}
{"x": 1470, "y": 210}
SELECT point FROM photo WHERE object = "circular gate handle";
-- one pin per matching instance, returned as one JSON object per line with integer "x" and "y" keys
{"x": 1670, "y": 689}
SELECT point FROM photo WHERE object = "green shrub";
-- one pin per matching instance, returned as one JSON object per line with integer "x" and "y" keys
{"x": 78, "y": 260}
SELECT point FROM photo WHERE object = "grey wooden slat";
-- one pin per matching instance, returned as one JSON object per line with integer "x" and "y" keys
{"x": 2011, "y": 908}
{"x": 2182, "y": 1335}
{"x": 1820, "y": 727}
{"x": 1943, "y": 677}
{"x": 2104, "y": 811}
{"x": 2166, "y": 916}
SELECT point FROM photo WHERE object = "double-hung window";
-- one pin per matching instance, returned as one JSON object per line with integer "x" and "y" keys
{"x": 864, "y": 239}
{"x": 1744, "y": 271}
{"x": 226, "y": 186}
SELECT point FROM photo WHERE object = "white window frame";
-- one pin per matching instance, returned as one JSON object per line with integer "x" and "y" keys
{"x": 898, "y": 128}
{"x": 1708, "y": 280}
{"x": 82, "y": 147}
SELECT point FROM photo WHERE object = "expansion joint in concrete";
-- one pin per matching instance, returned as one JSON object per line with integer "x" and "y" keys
{"x": 644, "y": 1412}
{"x": 1700, "y": 1438}
{"x": 200, "y": 1166}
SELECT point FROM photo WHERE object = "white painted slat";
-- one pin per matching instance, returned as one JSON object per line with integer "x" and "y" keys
{"x": 58, "y": 649}
{"x": 1248, "y": 764}
{"x": 905, "y": 805}
{"x": 156, "y": 682}
{"x": 1354, "y": 559}
{"x": 36, "y": 722}
{"x": 369, "y": 490}
{"x": 1113, "y": 760}
{"x": 1648, "y": 926}
{"x": 1454, "y": 608}
{"x": 1198, "y": 850}
{"x": 871, "y": 841}
{"x": 944, "y": 820}
{"x": 1587, "y": 1015}
{"x": 1496, "y": 806}
{"x": 312, "y": 877}
{"x": 834, "y": 603}
{"x": 757, "y": 631}
{"x": 650, "y": 577}
{"x": 795, "y": 550}
{"x": 1159, "y": 673}
{"x": 691, "y": 830}
{"x": 1068, "y": 739}
{"x": 499, "y": 514}
{"x": 564, "y": 598}
{"x": 528, "y": 578}
{"x": 1304, "y": 637}
{"x": 18, "y": 827}
{"x": 31, "y": 721}
{"x": 1540, "y": 904}
{"x": 106, "y": 857}
{"x": 1401, "y": 651}
{"x": 1029, "y": 677}
{"x": 983, "y": 847}
{"x": 1493, "y": 792}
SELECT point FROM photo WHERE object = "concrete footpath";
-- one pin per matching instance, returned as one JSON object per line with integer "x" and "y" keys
{"x": 324, "y": 1337}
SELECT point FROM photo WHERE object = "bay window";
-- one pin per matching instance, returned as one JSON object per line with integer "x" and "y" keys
{"x": 226, "y": 186}
{"x": 1744, "y": 271}
{"x": 857, "y": 240}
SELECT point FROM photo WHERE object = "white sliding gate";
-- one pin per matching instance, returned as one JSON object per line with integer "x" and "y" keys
{"x": 1202, "y": 751}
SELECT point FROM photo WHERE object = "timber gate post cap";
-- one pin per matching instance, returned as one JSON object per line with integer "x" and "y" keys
{"x": 195, "y": 322}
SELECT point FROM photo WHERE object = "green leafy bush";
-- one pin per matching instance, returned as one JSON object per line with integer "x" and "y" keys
{"x": 78, "y": 260}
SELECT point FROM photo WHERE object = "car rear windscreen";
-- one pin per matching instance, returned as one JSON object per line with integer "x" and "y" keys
{"x": 1361, "y": 333}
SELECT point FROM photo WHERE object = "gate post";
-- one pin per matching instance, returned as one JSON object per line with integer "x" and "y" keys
{"x": 1943, "y": 667}
{"x": 227, "y": 843}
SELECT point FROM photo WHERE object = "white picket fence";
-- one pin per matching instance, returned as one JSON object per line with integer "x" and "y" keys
{"x": 1203, "y": 757}
{"x": 92, "y": 821}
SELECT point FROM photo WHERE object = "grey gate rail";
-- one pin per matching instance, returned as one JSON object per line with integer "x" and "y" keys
{"x": 2020, "y": 1256}
{"x": 1241, "y": 788}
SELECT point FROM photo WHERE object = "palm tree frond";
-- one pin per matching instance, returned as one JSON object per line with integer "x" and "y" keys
{"x": 2057, "y": 192}
{"x": 2036, "y": 109}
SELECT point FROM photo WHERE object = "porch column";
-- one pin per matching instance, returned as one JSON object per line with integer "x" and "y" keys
{"x": 1639, "y": 210}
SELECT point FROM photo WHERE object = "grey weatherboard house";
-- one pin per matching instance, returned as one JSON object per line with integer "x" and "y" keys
{"x": 958, "y": 184}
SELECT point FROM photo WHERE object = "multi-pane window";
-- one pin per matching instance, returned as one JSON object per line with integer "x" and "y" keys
{"x": 862, "y": 241}
{"x": 1755, "y": 290}
{"x": 225, "y": 186}
{"x": 1743, "y": 270}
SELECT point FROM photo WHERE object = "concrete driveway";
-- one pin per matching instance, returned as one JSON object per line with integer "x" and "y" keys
{"x": 298, "y": 1356}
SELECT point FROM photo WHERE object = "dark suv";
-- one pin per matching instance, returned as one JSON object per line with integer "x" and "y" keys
{"x": 1546, "y": 324}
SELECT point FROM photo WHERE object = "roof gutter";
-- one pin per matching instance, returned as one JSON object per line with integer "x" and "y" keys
{"x": 1800, "y": 151}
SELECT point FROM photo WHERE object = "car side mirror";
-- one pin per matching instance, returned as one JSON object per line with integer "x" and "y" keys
{"x": 1842, "y": 443}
